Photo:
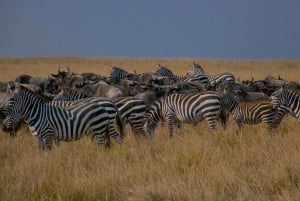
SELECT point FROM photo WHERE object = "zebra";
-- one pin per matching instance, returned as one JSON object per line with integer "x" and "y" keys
{"x": 212, "y": 80}
{"x": 198, "y": 77}
{"x": 188, "y": 108}
{"x": 132, "y": 110}
{"x": 250, "y": 113}
{"x": 65, "y": 121}
{"x": 286, "y": 100}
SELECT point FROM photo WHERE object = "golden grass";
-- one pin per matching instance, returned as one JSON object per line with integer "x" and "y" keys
{"x": 195, "y": 166}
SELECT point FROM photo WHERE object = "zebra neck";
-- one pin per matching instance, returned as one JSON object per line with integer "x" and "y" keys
{"x": 33, "y": 109}
{"x": 234, "y": 105}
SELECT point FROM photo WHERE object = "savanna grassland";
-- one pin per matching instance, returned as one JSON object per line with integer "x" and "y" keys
{"x": 195, "y": 166}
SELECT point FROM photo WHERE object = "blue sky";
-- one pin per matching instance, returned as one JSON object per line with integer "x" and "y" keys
{"x": 228, "y": 29}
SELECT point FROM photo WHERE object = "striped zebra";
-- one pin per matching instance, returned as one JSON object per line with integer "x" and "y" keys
{"x": 250, "y": 113}
{"x": 188, "y": 108}
{"x": 286, "y": 100}
{"x": 65, "y": 121}
{"x": 132, "y": 110}
{"x": 118, "y": 73}
{"x": 216, "y": 79}
{"x": 198, "y": 77}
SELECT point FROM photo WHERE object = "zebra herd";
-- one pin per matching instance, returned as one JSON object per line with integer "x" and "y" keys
{"x": 71, "y": 115}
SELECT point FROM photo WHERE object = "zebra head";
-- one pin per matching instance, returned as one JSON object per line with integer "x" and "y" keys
{"x": 152, "y": 118}
{"x": 280, "y": 97}
{"x": 18, "y": 102}
{"x": 11, "y": 123}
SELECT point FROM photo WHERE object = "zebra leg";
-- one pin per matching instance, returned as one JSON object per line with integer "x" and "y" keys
{"x": 48, "y": 141}
{"x": 239, "y": 123}
{"x": 212, "y": 123}
{"x": 100, "y": 137}
{"x": 170, "y": 119}
{"x": 40, "y": 142}
{"x": 224, "y": 115}
{"x": 137, "y": 129}
{"x": 270, "y": 125}
{"x": 178, "y": 126}
{"x": 44, "y": 142}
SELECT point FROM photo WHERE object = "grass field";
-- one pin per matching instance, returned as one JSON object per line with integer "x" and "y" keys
{"x": 195, "y": 166}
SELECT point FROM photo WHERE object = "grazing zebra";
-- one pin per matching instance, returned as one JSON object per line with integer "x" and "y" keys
{"x": 118, "y": 73}
{"x": 132, "y": 110}
{"x": 286, "y": 100}
{"x": 164, "y": 72}
{"x": 188, "y": 108}
{"x": 250, "y": 113}
{"x": 65, "y": 120}
{"x": 12, "y": 123}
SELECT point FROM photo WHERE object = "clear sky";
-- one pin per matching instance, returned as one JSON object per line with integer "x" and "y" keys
{"x": 229, "y": 29}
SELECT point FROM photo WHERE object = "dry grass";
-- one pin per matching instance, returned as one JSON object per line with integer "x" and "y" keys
{"x": 195, "y": 166}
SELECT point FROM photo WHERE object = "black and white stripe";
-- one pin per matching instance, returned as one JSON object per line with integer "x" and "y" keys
{"x": 188, "y": 108}
{"x": 65, "y": 121}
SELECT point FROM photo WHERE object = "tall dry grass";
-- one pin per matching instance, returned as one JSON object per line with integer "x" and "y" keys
{"x": 194, "y": 166}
